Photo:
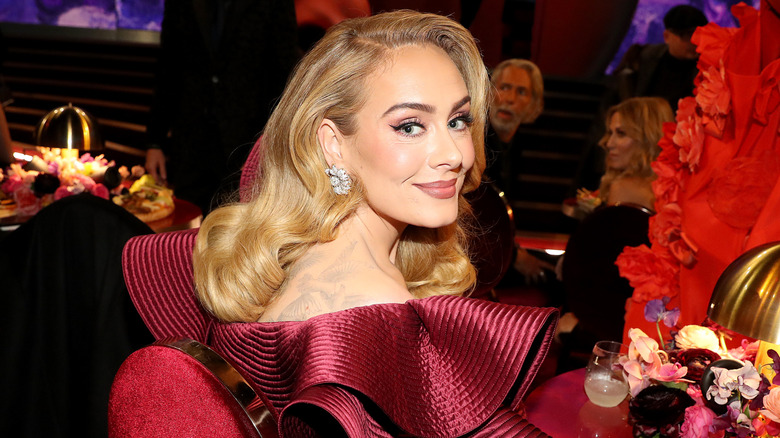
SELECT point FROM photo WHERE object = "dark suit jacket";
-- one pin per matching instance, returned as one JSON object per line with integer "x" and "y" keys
{"x": 639, "y": 74}
{"x": 216, "y": 85}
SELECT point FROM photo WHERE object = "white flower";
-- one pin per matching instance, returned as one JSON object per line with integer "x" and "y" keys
{"x": 696, "y": 336}
{"x": 745, "y": 380}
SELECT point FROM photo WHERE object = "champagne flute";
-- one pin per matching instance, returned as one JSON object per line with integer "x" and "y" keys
{"x": 604, "y": 382}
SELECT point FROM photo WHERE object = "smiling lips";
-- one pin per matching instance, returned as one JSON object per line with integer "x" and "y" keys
{"x": 439, "y": 189}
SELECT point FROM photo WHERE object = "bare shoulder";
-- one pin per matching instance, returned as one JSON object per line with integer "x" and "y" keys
{"x": 632, "y": 190}
{"x": 318, "y": 286}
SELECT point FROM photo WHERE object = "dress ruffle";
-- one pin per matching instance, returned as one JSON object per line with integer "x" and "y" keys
{"x": 434, "y": 367}
{"x": 728, "y": 194}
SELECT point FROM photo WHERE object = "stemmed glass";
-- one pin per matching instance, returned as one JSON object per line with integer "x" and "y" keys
{"x": 604, "y": 382}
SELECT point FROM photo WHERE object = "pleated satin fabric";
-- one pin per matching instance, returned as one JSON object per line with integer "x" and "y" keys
{"x": 435, "y": 367}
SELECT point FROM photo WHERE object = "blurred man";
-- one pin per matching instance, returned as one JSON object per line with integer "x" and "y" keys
{"x": 665, "y": 70}
{"x": 518, "y": 99}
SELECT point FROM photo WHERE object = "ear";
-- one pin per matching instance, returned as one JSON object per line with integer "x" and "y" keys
{"x": 667, "y": 34}
{"x": 331, "y": 141}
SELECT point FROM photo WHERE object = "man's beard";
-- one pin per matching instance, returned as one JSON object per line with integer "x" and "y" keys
{"x": 504, "y": 126}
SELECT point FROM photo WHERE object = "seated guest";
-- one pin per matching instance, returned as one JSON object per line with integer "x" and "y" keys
{"x": 355, "y": 239}
{"x": 634, "y": 128}
{"x": 518, "y": 99}
{"x": 665, "y": 70}
{"x": 595, "y": 293}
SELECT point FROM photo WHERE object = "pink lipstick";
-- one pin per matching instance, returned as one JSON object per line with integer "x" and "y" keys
{"x": 440, "y": 189}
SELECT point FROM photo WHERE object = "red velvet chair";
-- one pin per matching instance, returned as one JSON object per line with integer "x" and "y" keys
{"x": 180, "y": 387}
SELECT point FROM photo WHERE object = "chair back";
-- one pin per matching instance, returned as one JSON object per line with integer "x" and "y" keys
{"x": 492, "y": 245}
{"x": 68, "y": 322}
{"x": 595, "y": 292}
{"x": 180, "y": 387}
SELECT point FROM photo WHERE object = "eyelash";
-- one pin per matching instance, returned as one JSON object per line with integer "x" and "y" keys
{"x": 467, "y": 118}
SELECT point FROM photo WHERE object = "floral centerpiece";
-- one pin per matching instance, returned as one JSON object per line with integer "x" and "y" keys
{"x": 64, "y": 176}
{"x": 691, "y": 386}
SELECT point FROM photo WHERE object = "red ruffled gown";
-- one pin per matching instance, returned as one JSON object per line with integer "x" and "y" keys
{"x": 717, "y": 192}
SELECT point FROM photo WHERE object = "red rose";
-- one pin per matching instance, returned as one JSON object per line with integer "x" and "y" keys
{"x": 27, "y": 204}
{"x": 696, "y": 359}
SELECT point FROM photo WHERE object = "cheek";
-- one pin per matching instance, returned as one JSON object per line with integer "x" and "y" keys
{"x": 468, "y": 153}
{"x": 397, "y": 161}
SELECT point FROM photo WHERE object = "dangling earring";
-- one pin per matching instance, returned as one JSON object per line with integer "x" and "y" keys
{"x": 339, "y": 179}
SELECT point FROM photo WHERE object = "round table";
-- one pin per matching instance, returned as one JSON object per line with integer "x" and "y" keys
{"x": 560, "y": 408}
{"x": 186, "y": 215}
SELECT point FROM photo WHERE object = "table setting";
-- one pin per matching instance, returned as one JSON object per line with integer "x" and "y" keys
{"x": 704, "y": 381}
{"x": 44, "y": 175}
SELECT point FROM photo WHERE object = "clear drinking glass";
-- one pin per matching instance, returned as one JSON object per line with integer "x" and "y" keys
{"x": 604, "y": 382}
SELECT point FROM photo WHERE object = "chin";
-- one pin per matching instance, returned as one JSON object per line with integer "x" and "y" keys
{"x": 438, "y": 220}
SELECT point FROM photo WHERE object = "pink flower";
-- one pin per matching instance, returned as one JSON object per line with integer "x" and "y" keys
{"x": 698, "y": 420}
{"x": 746, "y": 351}
{"x": 85, "y": 181}
{"x": 634, "y": 375}
{"x": 772, "y": 404}
{"x": 11, "y": 183}
{"x": 62, "y": 192}
{"x": 100, "y": 190}
{"x": 27, "y": 204}
{"x": 642, "y": 346}
{"x": 670, "y": 372}
{"x": 643, "y": 363}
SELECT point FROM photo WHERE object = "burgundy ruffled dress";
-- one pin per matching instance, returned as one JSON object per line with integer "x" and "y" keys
{"x": 717, "y": 194}
{"x": 435, "y": 367}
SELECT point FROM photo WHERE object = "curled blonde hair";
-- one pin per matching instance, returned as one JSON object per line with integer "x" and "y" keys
{"x": 244, "y": 252}
{"x": 642, "y": 119}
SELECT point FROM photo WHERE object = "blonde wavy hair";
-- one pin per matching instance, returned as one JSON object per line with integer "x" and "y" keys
{"x": 244, "y": 251}
{"x": 642, "y": 119}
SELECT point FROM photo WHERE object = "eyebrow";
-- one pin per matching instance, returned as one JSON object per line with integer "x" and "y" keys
{"x": 424, "y": 106}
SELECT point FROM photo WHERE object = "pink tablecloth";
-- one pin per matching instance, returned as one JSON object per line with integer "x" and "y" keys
{"x": 560, "y": 408}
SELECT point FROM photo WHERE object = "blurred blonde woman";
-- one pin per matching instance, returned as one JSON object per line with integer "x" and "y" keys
{"x": 338, "y": 286}
{"x": 634, "y": 128}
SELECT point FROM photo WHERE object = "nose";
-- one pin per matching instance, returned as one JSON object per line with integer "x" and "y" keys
{"x": 610, "y": 142}
{"x": 446, "y": 151}
{"x": 508, "y": 96}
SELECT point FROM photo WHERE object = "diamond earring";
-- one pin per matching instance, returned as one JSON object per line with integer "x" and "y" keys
{"x": 339, "y": 179}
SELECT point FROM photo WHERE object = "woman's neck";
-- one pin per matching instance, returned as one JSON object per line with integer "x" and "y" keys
{"x": 380, "y": 235}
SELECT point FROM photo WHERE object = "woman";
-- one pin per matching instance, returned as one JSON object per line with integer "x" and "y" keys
{"x": 360, "y": 209}
{"x": 634, "y": 128}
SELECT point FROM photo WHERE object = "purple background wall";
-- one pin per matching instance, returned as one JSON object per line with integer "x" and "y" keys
{"x": 99, "y": 14}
